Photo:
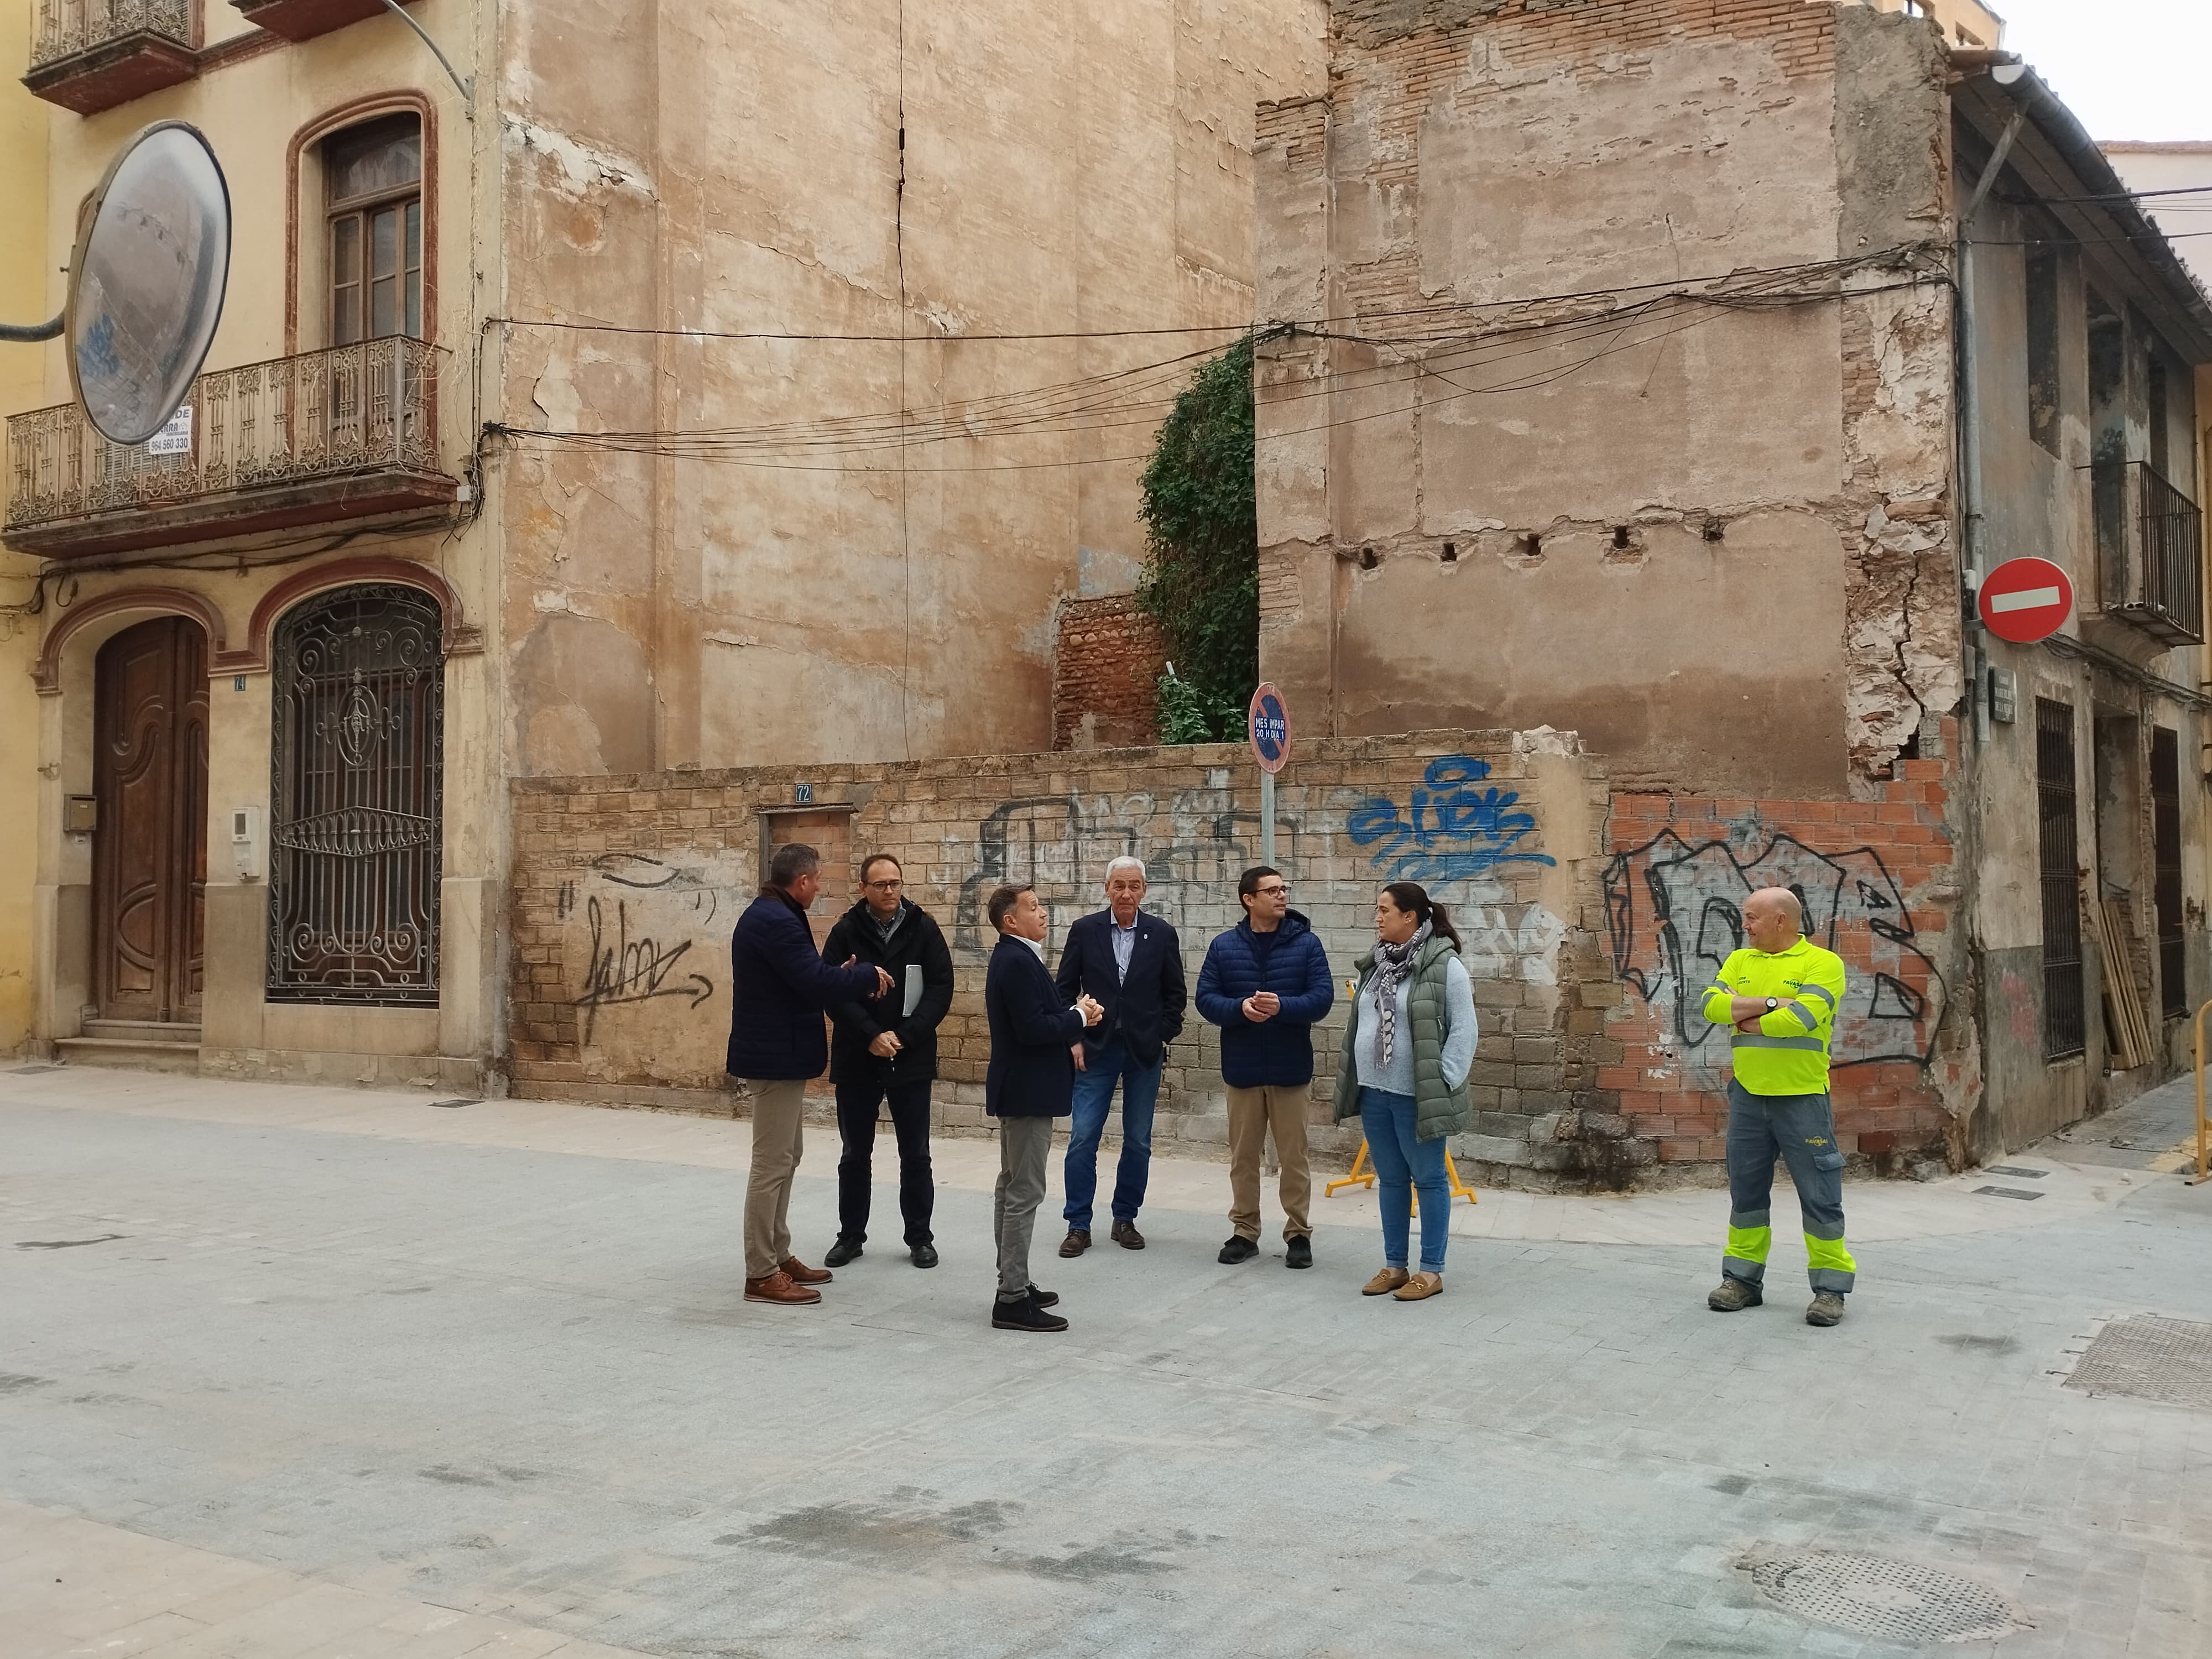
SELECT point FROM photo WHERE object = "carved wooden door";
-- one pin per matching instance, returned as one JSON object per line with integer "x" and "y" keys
{"x": 150, "y": 847}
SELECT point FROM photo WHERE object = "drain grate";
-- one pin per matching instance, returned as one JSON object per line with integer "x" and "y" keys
{"x": 2149, "y": 1359}
{"x": 1891, "y": 1600}
{"x": 2006, "y": 1192}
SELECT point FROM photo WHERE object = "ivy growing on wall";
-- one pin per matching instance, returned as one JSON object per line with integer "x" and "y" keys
{"x": 1202, "y": 569}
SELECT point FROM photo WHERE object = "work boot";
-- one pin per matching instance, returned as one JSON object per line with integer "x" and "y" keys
{"x": 1076, "y": 1242}
{"x": 1385, "y": 1282}
{"x": 1827, "y": 1309}
{"x": 802, "y": 1274}
{"x": 778, "y": 1287}
{"x": 1734, "y": 1295}
{"x": 1125, "y": 1235}
{"x": 1238, "y": 1248}
{"x": 1300, "y": 1254}
{"x": 843, "y": 1251}
{"x": 1420, "y": 1287}
{"x": 1024, "y": 1315}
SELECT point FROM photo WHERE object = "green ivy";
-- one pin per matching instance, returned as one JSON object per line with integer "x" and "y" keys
{"x": 1202, "y": 572}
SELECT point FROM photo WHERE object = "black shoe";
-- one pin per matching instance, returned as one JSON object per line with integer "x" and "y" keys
{"x": 1024, "y": 1315}
{"x": 925, "y": 1255}
{"x": 843, "y": 1251}
{"x": 1045, "y": 1298}
{"x": 1300, "y": 1253}
{"x": 1238, "y": 1248}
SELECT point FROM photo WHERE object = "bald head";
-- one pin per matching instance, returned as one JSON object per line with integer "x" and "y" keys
{"x": 1774, "y": 919}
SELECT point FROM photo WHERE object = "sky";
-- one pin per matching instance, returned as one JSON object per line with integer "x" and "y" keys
{"x": 2129, "y": 68}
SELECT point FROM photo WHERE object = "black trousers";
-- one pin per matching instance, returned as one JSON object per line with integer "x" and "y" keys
{"x": 857, "y": 1104}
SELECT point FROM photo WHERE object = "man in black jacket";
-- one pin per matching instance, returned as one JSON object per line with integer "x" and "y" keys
{"x": 1132, "y": 965}
{"x": 1030, "y": 1082}
{"x": 885, "y": 1049}
{"x": 780, "y": 989}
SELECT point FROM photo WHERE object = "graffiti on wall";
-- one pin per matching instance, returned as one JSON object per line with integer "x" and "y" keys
{"x": 1674, "y": 911}
{"x": 641, "y": 922}
{"x": 1448, "y": 829}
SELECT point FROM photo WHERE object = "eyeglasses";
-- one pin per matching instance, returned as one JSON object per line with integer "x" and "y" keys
{"x": 1273, "y": 892}
{"x": 885, "y": 886}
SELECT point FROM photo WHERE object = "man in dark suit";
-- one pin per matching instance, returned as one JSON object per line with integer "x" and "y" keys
{"x": 780, "y": 989}
{"x": 1031, "y": 1081}
{"x": 1132, "y": 965}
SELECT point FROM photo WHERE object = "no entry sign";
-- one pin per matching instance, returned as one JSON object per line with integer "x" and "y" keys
{"x": 1269, "y": 722}
{"x": 2025, "y": 601}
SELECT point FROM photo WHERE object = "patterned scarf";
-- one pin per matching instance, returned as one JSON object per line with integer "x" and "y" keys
{"x": 1393, "y": 962}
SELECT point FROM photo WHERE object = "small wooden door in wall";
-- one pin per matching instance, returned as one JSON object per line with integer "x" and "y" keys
{"x": 150, "y": 847}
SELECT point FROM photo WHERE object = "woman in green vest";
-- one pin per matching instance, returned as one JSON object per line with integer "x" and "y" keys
{"x": 1406, "y": 1050}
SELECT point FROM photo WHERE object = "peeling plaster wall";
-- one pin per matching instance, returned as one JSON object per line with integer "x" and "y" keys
{"x": 1724, "y": 553}
{"x": 737, "y": 168}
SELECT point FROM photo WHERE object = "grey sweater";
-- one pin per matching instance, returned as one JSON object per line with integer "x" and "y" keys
{"x": 1459, "y": 1034}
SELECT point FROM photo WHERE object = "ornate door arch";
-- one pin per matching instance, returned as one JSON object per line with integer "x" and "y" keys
{"x": 357, "y": 799}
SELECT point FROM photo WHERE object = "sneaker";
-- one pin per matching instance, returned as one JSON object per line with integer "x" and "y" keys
{"x": 1420, "y": 1287}
{"x": 925, "y": 1255}
{"x": 1238, "y": 1248}
{"x": 803, "y": 1274}
{"x": 1385, "y": 1282}
{"x": 1827, "y": 1309}
{"x": 1734, "y": 1295}
{"x": 1300, "y": 1253}
{"x": 779, "y": 1287}
{"x": 1076, "y": 1242}
{"x": 1026, "y": 1314}
{"x": 843, "y": 1251}
{"x": 1125, "y": 1235}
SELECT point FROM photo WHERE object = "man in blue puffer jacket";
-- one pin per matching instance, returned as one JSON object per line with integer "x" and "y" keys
{"x": 1265, "y": 983}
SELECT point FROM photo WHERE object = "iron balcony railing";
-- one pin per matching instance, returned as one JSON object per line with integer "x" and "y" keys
{"x": 2150, "y": 552}
{"x": 368, "y": 407}
{"x": 68, "y": 26}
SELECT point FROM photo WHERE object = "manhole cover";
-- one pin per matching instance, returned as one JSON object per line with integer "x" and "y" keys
{"x": 2149, "y": 1359}
{"x": 1891, "y": 1600}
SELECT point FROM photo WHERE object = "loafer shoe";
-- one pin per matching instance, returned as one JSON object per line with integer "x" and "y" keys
{"x": 779, "y": 1288}
{"x": 1420, "y": 1287}
{"x": 841, "y": 1252}
{"x": 1076, "y": 1242}
{"x": 1385, "y": 1282}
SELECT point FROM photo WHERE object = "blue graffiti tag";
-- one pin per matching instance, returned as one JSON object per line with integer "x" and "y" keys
{"x": 1447, "y": 830}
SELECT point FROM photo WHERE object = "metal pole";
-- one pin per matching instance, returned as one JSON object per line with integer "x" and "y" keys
{"x": 2203, "y": 1149}
{"x": 29, "y": 333}
{"x": 1267, "y": 818}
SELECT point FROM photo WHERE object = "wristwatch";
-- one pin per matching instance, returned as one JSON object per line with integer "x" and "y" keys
{"x": 1773, "y": 1003}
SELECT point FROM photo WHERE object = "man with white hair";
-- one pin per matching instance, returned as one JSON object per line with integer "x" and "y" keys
{"x": 1132, "y": 963}
{"x": 1779, "y": 996}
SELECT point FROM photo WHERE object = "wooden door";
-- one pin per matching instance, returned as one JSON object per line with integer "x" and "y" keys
{"x": 150, "y": 849}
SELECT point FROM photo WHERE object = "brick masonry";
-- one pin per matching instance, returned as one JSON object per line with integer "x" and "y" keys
{"x": 1106, "y": 670}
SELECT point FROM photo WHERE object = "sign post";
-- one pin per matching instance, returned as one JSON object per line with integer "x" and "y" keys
{"x": 1269, "y": 721}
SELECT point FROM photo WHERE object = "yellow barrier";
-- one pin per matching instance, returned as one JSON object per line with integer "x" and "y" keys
{"x": 1362, "y": 1175}
{"x": 2203, "y": 1130}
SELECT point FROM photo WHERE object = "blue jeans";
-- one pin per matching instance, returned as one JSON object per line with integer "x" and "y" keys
{"x": 1403, "y": 1164}
{"x": 1103, "y": 1066}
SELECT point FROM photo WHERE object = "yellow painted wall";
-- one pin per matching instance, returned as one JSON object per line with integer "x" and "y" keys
{"x": 24, "y": 297}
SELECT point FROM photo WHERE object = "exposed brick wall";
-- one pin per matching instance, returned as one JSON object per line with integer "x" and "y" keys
{"x": 1106, "y": 671}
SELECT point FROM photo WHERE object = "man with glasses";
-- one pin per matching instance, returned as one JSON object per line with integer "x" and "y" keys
{"x": 1132, "y": 965}
{"x": 885, "y": 1052}
{"x": 1265, "y": 983}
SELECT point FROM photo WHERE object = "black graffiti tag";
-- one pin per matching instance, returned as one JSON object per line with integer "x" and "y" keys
{"x": 627, "y": 970}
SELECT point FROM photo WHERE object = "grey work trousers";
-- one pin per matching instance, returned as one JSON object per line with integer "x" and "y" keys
{"x": 1024, "y": 1150}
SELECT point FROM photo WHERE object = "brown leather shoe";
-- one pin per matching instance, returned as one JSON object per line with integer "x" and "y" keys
{"x": 802, "y": 1274}
{"x": 1126, "y": 1236}
{"x": 1076, "y": 1242}
{"x": 778, "y": 1288}
{"x": 1420, "y": 1287}
{"x": 1383, "y": 1283}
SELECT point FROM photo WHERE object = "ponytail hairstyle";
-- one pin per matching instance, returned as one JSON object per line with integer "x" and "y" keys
{"x": 1412, "y": 896}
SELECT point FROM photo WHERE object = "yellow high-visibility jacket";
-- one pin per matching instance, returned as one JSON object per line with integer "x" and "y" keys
{"x": 1787, "y": 1054}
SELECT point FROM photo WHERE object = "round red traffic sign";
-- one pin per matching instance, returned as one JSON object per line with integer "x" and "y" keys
{"x": 1269, "y": 719}
{"x": 2025, "y": 601}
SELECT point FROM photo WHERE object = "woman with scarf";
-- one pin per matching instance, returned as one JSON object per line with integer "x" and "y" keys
{"x": 1406, "y": 1050}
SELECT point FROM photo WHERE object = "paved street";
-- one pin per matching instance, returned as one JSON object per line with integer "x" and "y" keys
{"x": 293, "y": 1372}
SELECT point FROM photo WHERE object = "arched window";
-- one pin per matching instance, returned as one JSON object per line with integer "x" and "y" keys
{"x": 373, "y": 196}
{"x": 357, "y": 799}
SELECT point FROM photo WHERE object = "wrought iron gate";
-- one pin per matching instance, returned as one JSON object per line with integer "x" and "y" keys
{"x": 356, "y": 795}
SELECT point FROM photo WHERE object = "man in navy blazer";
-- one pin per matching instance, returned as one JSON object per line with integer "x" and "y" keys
{"x": 1132, "y": 965}
{"x": 1031, "y": 1081}
{"x": 780, "y": 989}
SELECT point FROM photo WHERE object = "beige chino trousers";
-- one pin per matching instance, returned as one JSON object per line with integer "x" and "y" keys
{"x": 779, "y": 1142}
{"x": 1252, "y": 1114}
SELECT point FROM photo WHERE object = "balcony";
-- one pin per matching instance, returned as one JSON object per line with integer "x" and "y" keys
{"x": 321, "y": 438}
{"x": 303, "y": 20}
{"x": 91, "y": 54}
{"x": 2150, "y": 553}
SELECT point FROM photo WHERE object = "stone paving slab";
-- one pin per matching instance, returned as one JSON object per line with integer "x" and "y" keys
{"x": 496, "y": 1366}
